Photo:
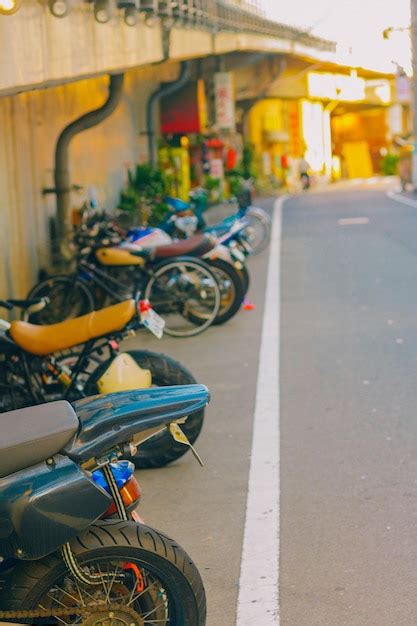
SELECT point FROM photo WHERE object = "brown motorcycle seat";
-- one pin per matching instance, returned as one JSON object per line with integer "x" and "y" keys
{"x": 196, "y": 246}
{"x": 43, "y": 340}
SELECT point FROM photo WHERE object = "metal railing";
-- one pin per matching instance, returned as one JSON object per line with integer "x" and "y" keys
{"x": 221, "y": 15}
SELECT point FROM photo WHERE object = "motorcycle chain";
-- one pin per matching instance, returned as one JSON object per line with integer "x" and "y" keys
{"x": 84, "y": 611}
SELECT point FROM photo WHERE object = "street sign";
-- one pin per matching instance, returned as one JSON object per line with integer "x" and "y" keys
{"x": 225, "y": 101}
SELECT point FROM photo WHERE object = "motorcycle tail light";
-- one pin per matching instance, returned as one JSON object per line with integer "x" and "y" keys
{"x": 131, "y": 495}
{"x": 144, "y": 306}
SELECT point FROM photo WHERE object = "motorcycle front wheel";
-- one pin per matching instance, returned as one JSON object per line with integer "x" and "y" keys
{"x": 68, "y": 297}
{"x": 258, "y": 230}
{"x": 147, "y": 580}
{"x": 186, "y": 293}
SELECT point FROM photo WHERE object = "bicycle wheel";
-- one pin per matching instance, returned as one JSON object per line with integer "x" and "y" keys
{"x": 68, "y": 297}
{"x": 185, "y": 292}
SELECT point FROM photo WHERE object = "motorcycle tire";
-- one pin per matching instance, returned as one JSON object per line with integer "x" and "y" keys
{"x": 77, "y": 301}
{"x": 199, "y": 323}
{"x": 232, "y": 297}
{"x": 259, "y": 230}
{"x": 160, "y": 449}
{"x": 178, "y": 600}
{"x": 245, "y": 279}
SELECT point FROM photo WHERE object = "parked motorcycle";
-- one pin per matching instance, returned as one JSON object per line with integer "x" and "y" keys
{"x": 227, "y": 263}
{"x": 228, "y": 269}
{"x": 57, "y": 478}
{"x": 182, "y": 288}
{"x": 81, "y": 357}
{"x": 184, "y": 217}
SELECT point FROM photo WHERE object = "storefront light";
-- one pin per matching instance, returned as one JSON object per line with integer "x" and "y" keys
{"x": 102, "y": 11}
{"x": 7, "y": 7}
{"x": 130, "y": 8}
{"x": 58, "y": 8}
{"x": 131, "y": 16}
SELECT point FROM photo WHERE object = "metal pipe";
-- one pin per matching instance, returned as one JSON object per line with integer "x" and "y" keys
{"x": 166, "y": 89}
{"x": 62, "y": 174}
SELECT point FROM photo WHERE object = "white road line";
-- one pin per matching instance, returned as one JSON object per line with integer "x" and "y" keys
{"x": 258, "y": 601}
{"x": 398, "y": 198}
{"x": 353, "y": 221}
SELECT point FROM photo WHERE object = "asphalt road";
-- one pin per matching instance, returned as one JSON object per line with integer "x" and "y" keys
{"x": 204, "y": 508}
{"x": 349, "y": 411}
{"x": 348, "y": 390}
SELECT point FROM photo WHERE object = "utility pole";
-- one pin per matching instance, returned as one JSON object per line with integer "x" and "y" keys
{"x": 413, "y": 7}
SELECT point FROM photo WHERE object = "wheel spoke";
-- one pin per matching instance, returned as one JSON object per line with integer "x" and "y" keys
{"x": 160, "y": 606}
{"x": 151, "y": 604}
{"x": 65, "y": 593}
{"x": 138, "y": 595}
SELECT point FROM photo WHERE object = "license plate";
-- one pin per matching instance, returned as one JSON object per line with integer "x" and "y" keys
{"x": 153, "y": 322}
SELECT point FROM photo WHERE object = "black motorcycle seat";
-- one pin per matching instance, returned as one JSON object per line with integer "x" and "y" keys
{"x": 31, "y": 435}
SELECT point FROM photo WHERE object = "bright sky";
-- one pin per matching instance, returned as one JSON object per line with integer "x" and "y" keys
{"x": 352, "y": 23}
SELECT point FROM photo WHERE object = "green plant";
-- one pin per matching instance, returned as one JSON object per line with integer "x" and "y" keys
{"x": 143, "y": 195}
{"x": 236, "y": 181}
{"x": 389, "y": 164}
{"x": 213, "y": 187}
{"x": 247, "y": 165}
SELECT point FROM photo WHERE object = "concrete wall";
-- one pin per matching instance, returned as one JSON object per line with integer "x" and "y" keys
{"x": 30, "y": 124}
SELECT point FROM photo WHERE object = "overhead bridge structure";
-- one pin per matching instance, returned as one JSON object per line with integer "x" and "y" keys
{"x": 56, "y": 59}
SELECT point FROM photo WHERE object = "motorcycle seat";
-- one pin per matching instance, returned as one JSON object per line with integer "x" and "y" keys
{"x": 176, "y": 204}
{"x": 117, "y": 257}
{"x": 43, "y": 340}
{"x": 29, "y": 436}
{"x": 196, "y": 246}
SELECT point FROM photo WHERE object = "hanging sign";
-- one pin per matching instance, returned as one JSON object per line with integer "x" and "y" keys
{"x": 225, "y": 101}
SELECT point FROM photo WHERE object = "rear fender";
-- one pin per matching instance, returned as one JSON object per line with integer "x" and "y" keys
{"x": 114, "y": 419}
{"x": 44, "y": 506}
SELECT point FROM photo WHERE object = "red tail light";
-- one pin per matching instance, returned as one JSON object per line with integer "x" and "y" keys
{"x": 130, "y": 493}
{"x": 144, "y": 306}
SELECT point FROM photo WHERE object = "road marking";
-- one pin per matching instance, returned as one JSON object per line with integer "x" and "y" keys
{"x": 258, "y": 601}
{"x": 353, "y": 221}
{"x": 398, "y": 198}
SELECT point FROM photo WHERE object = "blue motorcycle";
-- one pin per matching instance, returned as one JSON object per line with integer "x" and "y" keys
{"x": 185, "y": 218}
{"x": 63, "y": 559}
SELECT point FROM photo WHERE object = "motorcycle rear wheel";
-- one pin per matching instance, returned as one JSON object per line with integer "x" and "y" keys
{"x": 160, "y": 449}
{"x": 245, "y": 279}
{"x": 173, "y": 595}
{"x": 231, "y": 289}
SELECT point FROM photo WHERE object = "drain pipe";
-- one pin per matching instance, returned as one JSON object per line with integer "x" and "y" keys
{"x": 166, "y": 89}
{"x": 86, "y": 121}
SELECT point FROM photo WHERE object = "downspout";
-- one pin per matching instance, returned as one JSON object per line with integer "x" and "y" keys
{"x": 86, "y": 121}
{"x": 166, "y": 89}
